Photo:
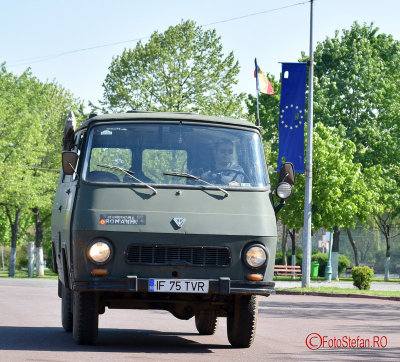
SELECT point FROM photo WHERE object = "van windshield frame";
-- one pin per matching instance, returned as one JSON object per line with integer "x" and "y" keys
{"x": 226, "y": 156}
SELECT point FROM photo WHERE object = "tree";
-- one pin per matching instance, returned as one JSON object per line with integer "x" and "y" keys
{"x": 57, "y": 102}
{"x": 340, "y": 192}
{"x": 357, "y": 87}
{"x": 26, "y": 117}
{"x": 18, "y": 138}
{"x": 182, "y": 69}
{"x": 389, "y": 218}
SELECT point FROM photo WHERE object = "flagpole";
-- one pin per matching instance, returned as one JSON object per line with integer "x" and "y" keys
{"x": 306, "y": 263}
{"x": 258, "y": 111}
{"x": 256, "y": 76}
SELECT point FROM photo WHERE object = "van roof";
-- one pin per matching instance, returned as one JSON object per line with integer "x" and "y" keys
{"x": 165, "y": 116}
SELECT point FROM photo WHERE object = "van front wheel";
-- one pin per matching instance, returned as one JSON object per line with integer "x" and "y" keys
{"x": 242, "y": 321}
{"x": 66, "y": 308}
{"x": 206, "y": 322}
{"x": 85, "y": 317}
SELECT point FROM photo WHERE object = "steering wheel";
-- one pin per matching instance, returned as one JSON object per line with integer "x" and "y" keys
{"x": 224, "y": 171}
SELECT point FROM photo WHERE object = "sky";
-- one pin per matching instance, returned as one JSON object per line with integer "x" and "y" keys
{"x": 73, "y": 42}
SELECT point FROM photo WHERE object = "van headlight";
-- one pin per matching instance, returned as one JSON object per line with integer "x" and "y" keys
{"x": 100, "y": 251}
{"x": 255, "y": 255}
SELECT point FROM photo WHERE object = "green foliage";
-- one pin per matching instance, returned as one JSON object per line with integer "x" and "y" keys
{"x": 182, "y": 69}
{"x": 343, "y": 263}
{"x": 32, "y": 115}
{"x": 322, "y": 259}
{"x": 356, "y": 86}
{"x": 362, "y": 276}
{"x": 342, "y": 193}
{"x": 22, "y": 256}
{"x": 356, "y": 170}
{"x": 279, "y": 257}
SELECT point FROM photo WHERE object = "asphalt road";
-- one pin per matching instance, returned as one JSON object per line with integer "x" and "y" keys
{"x": 30, "y": 330}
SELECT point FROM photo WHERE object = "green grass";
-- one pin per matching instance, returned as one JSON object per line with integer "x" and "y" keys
{"x": 48, "y": 274}
{"x": 322, "y": 279}
{"x": 343, "y": 291}
{"x": 378, "y": 280}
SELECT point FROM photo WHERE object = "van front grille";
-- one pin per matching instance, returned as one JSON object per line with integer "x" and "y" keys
{"x": 175, "y": 255}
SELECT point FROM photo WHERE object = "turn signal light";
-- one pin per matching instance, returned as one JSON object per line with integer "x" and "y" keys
{"x": 254, "y": 277}
{"x": 99, "y": 272}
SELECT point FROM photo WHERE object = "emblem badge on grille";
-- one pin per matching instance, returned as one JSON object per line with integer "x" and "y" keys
{"x": 179, "y": 221}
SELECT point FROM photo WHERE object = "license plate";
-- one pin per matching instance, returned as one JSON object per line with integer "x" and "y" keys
{"x": 178, "y": 285}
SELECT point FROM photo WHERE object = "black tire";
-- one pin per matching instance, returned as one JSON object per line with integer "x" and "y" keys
{"x": 66, "y": 308}
{"x": 86, "y": 317}
{"x": 206, "y": 322}
{"x": 242, "y": 322}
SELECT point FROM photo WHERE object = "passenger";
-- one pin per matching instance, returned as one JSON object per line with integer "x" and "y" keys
{"x": 225, "y": 171}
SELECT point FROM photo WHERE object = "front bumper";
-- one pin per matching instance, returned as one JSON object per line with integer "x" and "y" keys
{"x": 224, "y": 286}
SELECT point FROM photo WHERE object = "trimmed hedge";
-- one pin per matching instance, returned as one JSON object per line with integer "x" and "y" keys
{"x": 362, "y": 276}
{"x": 322, "y": 260}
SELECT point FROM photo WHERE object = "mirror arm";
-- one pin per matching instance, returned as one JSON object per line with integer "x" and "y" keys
{"x": 76, "y": 173}
{"x": 283, "y": 180}
{"x": 69, "y": 163}
{"x": 279, "y": 206}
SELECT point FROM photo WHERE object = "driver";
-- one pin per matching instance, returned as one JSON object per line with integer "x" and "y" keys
{"x": 225, "y": 171}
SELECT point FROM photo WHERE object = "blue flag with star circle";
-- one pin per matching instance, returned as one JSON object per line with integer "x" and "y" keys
{"x": 291, "y": 115}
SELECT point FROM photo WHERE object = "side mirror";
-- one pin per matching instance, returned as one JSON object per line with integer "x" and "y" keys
{"x": 285, "y": 182}
{"x": 287, "y": 173}
{"x": 69, "y": 162}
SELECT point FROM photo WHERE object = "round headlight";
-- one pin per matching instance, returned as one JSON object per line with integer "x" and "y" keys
{"x": 100, "y": 252}
{"x": 255, "y": 256}
{"x": 284, "y": 190}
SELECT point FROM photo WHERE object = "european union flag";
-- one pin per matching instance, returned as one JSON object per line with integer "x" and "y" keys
{"x": 291, "y": 115}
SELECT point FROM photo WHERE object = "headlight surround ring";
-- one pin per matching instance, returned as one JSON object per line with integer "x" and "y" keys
{"x": 100, "y": 251}
{"x": 255, "y": 256}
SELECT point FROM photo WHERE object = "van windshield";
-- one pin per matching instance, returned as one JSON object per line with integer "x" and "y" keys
{"x": 159, "y": 153}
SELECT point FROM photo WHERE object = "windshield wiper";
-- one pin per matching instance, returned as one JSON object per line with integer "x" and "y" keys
{"x": 129, "y": 173}
{"x": 188, "y": 175}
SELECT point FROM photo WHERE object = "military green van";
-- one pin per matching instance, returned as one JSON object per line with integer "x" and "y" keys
{"x": 170, "y": 211}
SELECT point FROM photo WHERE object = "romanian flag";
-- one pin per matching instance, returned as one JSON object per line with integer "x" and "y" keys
{"x": 263, "y": 84}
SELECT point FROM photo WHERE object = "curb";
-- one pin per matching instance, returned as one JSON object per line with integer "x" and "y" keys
{"x": 337, "y": 295}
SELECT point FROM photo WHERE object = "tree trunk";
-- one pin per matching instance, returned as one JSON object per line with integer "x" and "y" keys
{"x": 2, "y": 257}
{"x": 31, "y": 258}
{"x": 385, "y": 223}
{"x": 39, "y": 262}
{"x": 13, "y": 259}
{"x": 284, "y": 241}
{"x": 335, "y": 253}
{"x": 387, "y": 265}
{"x": 354, "y": 246}
{"x": 39, "y": 242}
{"x": 14, "y": 225}
{"x": 387, "y": 261}
{"x": 292, "y": 234}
